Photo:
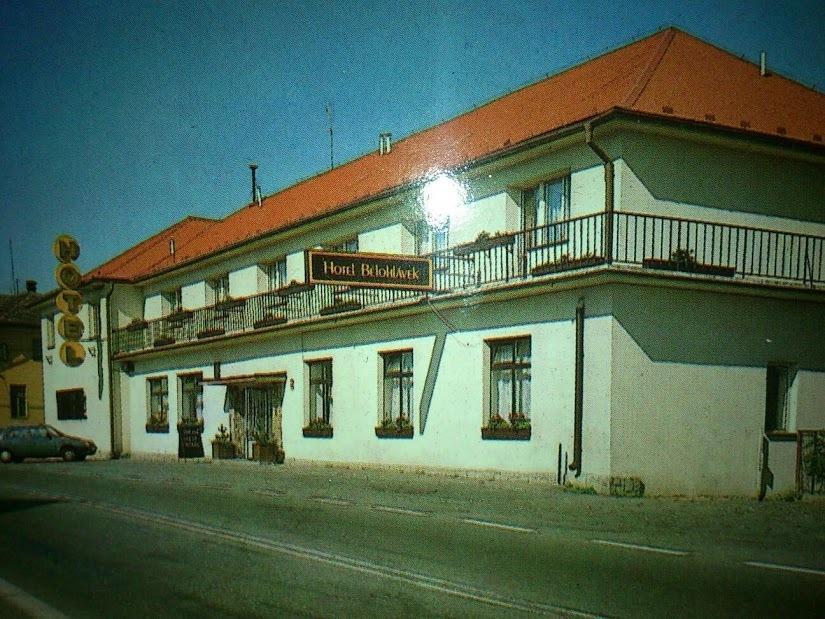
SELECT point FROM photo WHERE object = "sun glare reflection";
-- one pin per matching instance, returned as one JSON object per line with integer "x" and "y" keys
{"x": 443, "y": 198}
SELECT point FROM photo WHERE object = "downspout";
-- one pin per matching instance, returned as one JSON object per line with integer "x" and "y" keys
{"x": 116, "y": 452}
{"x": 607, "y": 241}
{"x": 578, "y": 405}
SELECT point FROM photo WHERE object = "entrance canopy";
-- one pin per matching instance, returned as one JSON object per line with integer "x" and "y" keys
{"x": 249, "y": 380}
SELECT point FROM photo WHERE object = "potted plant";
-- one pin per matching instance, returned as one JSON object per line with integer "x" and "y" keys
{"x": 265, "y": 448}
{"x": 137, "y": 324}
{"x": 400, "y": 427}
{"x": 294, "y": 287}
{"x": 518, "y": 428}
{"x": 228, "y": 304}
{"x": 163, "y": 340}
{"x": 222, "y": 446}
{"x": 485, "y": 242}
{"x": 269, "y": 320}
{"x": 685, "y": 260}
{"x": 318, "y": 428}
{"x": 566, "y": 263}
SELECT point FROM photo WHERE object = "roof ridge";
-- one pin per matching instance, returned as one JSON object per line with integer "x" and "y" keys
{"x": 644, "y": 79}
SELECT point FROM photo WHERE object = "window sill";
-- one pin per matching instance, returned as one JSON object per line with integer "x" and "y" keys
{"x": 782, "y": 436}
{"x": 317, "y": 433}
{"x": 505, "y": 434}
{"x": 394, "y": 432}
{"x": 157, "y": 428}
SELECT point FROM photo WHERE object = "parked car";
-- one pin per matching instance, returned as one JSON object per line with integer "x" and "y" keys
{"x": 42, "y": 441}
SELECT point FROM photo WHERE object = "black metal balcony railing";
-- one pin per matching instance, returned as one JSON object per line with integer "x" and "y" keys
{"x": 648, "y": 241}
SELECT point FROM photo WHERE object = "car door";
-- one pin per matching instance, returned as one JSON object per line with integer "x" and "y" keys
{"x": 41, "y": 445}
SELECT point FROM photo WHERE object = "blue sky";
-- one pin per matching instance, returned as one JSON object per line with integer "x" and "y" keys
{"x": 118, "y": 118}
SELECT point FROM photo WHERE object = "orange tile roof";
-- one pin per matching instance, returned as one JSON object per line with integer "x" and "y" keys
{"x": 670, "y": 74}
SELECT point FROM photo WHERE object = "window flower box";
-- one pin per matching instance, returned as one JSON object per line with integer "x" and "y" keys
{"x": 684, "y": 260}
{"x": 163, "y": 341}
{"x": 318, "y": 428}
{"x": 565, "y": 263}
{"x": 230, "y": 304}
{"x": 339, "y": 307}
{"x": 394, "y": 432}
{"x": 179, "y": 317}
{"x": 484, "y": 242}
{"x": 269, "y": 321}
{"x": 201, "y": 335}
{"x": 138, "y": 324}
{"x": 295, "y": 287}
{"x": 518, "y": 429}
{"x": 157, "y": 428}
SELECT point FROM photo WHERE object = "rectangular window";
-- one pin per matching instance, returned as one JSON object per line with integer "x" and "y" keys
{"x": 220, "y": 288}
{"x": 4, "y": 351}
{"x": 349, "y": 246}
{"x": 398, "y": 387}
{"x": 37, "y": 349}
{"x": 320, "y": 391}
{"x": 71, "y": 404}
{"x": 544, "y": 207}
{"x": 276, "y": 274}
{"x": 776, "y": 398}
{"x": 172, "y": 301}
{"x": 158, "y": 398}
{"x": 93, "y": 321}
{"x": 510, "y": 379}
{"x": 50, "y": 332}
{"x": 17, "y": 398}
{"x": 190, "y": 402}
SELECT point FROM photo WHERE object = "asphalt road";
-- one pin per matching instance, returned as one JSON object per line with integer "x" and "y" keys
{"x": 126, "y": 539}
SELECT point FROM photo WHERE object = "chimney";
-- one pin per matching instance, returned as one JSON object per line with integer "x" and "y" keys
{"x": 763, "y": 63}
{"x": 31, "y": 285}
{"x": 384, "y": 143}
{"x": 253, "y": 167}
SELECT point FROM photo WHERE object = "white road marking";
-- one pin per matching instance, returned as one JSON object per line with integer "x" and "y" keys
{"x": 423, "y": 581}
{"x": 26, "y": 602}
{"x": 664, "y": 551}
{"x": 497, "y": 525}
{"x": 330, "y": 501}
{"x": 786, "y": 568}
{"x": 266, "y": 492}
{"x": 398, "y": 510}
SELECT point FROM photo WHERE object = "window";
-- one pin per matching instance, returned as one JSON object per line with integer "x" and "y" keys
{"x": 398, "y": 387}
{"x": 320, "y": 391}
{"x": 17, "y": 397}
{"x": 349, "y": 246}
{"x": 275, "y": 274}
{"x": 93, "y": 322}
{"x": 50, "y": 332}
{"x": 190, "y": 402}
{"x": 158, "y": 389}
{"x": 510, "y": 379}
{"x": 4, "y": 351}
{"x": 543, "y": 206}
{"x": 172, "y": 301}
{"x": 37, "y": 349}
{"x": 71, "y": 404}
{"x": 776, "y": 398}
{"x": 220, "y": 288}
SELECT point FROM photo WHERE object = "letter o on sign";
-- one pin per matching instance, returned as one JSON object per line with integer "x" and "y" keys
{"x": 70, "y": 328}
{"x": 69, "y": 302}
{"x": 72, "y": 353}
{"x": 65, "y": 248}
{"x": 68, "y": 276}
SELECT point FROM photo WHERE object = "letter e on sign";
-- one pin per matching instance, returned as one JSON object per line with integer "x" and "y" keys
{"x": 72, "y": 353}
{"x": 69, "y": 302}
{"x": 66, "y": 248}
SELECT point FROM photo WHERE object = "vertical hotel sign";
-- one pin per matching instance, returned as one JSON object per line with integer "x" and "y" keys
{"x": 69, "y": 300}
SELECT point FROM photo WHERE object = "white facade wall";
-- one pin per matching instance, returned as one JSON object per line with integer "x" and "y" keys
{"x": 194, "y": 295}
{"x": 244, "y": 282}
{"x": 587, "y": 191}
{"x": 295, "y": 267}
{"x": 153, "y": 307}
{"x": 395, "y": 239}
{"x": 496, "y": 213}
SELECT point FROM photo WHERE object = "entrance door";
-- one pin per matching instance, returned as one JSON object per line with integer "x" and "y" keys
{"x": 258, "y": 409}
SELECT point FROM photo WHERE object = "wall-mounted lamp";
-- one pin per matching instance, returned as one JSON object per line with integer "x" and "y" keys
{"x": 291, "y": 384}
{"x": 92, "y": 350}
{"x": 49, "y": 359}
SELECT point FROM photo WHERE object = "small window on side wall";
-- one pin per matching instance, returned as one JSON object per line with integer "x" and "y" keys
{"x": 17, "y": 397}
{"x": 777, "y": 394}
{"x": 508, "y": 408}
{"x": 50, "y": 332}
{"x": 71, "y": 404}
{"x": 158, "y": 404}
{"x": 397, "y": 402}
{"x": 319, "y": 399}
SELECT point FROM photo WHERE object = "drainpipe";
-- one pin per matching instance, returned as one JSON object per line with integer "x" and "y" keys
{"x": 608, "y": 192}
{"x": 578, "y": 405}
{"x": 116, "y": 451}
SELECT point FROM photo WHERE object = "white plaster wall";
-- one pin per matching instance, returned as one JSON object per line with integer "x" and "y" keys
{"x": 810, "y": 400}
{"x": 587, "y": 191}
{"x": 295, "y": 267}
{"x": 782, "y": 463}
{"x": 395, "y": 239}
{"x": 57, "y": 377}
{"x": 596, "y": 409}
{"x": 127, "y": 304}
{"x": 685, "y": 428}
{"x": 488, "y": 214}
{"x": 194, "y": 295}
{"x": 244, "y": 282}
{"x": 153, "y": 307}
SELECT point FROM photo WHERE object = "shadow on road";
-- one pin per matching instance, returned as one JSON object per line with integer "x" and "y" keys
{"x": 8, "y": 506}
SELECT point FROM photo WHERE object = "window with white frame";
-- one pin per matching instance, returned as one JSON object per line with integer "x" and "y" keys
{"x": 398, "y": 389}
{"x": 544, "y": 207}
{"x": 275, "y": 274}
{"x": 320, "y": 393}
{"x": 190, "y": 398}
{"x": 219, "y": 288}
{"x": 50, "y": 332}
{"x": 93, "y": 321}
{"x": 347, "y": 246}
{"x": 172, "y": 301}
{"x": 17, "y": 399}
{"x": 158, "y": 400}
{"x": 509, "y": 381}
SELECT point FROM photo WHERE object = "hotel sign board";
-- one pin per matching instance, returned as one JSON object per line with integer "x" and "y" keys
{"x": 370, "y": 270}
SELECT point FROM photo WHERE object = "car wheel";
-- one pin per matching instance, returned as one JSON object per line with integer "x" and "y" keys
{"x": 69, "y": 454}
{"x": 81, "y": 458}
{"x": 5, "y": 456}
{"x": 17, "y": 459}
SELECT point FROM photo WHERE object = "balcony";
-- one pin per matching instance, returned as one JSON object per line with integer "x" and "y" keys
{"x": 648, "y": 242}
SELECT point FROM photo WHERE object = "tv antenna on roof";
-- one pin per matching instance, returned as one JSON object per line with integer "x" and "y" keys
{"x": 329, "y": 122}
{"x": 15, "y": 288}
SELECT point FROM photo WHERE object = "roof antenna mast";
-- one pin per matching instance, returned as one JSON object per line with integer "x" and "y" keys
{"x": 329, "y": 122}
{"x": 14, "y": 285}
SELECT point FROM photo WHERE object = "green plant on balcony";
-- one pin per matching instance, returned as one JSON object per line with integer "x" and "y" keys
{"x": 683, "y": 256}
{"x": 497, "y": 422}
{"x": 519, "y": 421}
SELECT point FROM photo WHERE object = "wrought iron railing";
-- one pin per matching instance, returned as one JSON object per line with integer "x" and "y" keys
{"x": 647, "y": 241}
